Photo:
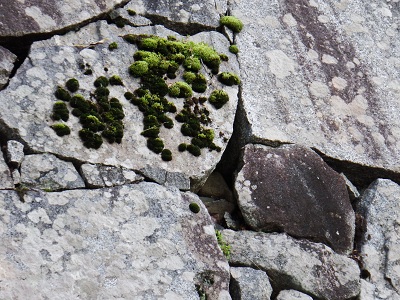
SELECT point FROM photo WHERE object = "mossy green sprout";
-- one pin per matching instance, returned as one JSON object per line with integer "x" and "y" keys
{"x": 112, "y": 46}
{"x": 60, "y": 111}
{"x": 194, "y": 207}
{"x": 229, "y": 78}
{"x": 218, "y": 98}
{"x": 61, "y": 129}
{"x": 180, "y": 89}
{"x": 90, "y": 139}
{"x": 166, "y": 155}
{"x": 233, "y": 49}
{"x": 72, "y": 85}
{"x": 232, "y": 23}
{"x": 225, "y": 247}
{"x": 115, "y": 80}
{"x": 139, "y": 68}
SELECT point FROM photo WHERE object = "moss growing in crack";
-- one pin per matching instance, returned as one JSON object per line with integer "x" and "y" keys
{"x": 72, "y": 85}
{"x": 62, "y": 94}
{"x": 225, "y": 247}
{"x": 112, "y": 46}
{"x": 218, "y": 98}
{"x": 60, "y": 111}
{"x": 180, "y": 90}
{"x": 229, "y": 78}
{"x": 166, "y": 155}
{"x": 61, "y": 129}
{"x": 115, "y": 80}
{"x": 232, "y": 23}
{"x": 234, "y": 49}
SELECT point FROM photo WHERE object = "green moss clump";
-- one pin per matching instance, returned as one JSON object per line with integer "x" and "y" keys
{"x": 61, "y": 129}
{"x": 192, "y": 64}
{"x": 60, "y": 111}
{"x": 112, "y": 46}
{"x": 218, "y": 98}
{"x": 229, "y": 78}
{"x": 139, "y": 68}
{"x": 131, "y": 12}
{"x": 152, "y": 132}
{"x": 155, "y": 84}
{"x": 91, "y": 122}
{"x": 199, "y": 84}
{"x": 225, "y": 247}
{"x": 189, "y": 77}
{"x": 155, "y": 144}
{"x": 101, "y": 81}
{"x": 166, "y": 155}
{"x": 194, "y": 207}
{"x": 115, "y": 80}
{"x": 88, "y": 72}
{"x": 72, "y": 85}
{"x": 234, "y": 49}
{"x": 232, "y": 23}
{"x": 62, "y": 94}
{"x": 194, "y": 150}
{"x": 180, "y": 90}
{"x": 90, "y": 139}
{"x": 149, "y": 44}
{"x": 182, "y": 147}
{"x": 223, "y": 57}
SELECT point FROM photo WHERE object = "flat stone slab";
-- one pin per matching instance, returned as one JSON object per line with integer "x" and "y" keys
{"x": 132, "y": 242}
{"x": 7, "y": 60}
{"x": 324, "y": 74}
{"x": 27, "y": 102}
{"x": 19, "y": 18}
{"x": 309, "y": 267}
{"x": 291, "y": 189}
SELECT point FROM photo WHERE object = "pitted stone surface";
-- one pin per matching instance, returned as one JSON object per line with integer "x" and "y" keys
{"x": 15, "y": 153}
{"x": 19, "y": 18}
{"x": 292, "y": 295}
{"x": 46, "y": 171}
{"x": 7, "y": 60}
{"x": 27, "y": 102}
{"x": 6, "y": 181}
{"x": 131, "y": 242}
{"x": 324, "y": 74}
{"x": 380, "y": 207}
{"x": 297, "y": 264}
{"x": 291, "y": 189}
{"x": 249, "y": 284}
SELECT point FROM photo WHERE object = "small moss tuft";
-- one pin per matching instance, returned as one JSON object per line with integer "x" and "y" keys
{"x": 229, "y": 78}
{"x": 131, "y": 12}
{"x": 62, "y": 94}
{"x": 180, "y": 90}
{"x": 182, "y": 147}
{"x": 199, "y": 84}
{"x": 60, "y": 111}
{"x": 218, "y": 98}
{"x": 194, "y": 150}
{"x": 90, "y": 139}
{"x": 194, "y": 207}
{"x": 115, "y": 80}
{"x": 61, "y": 129}
{"x": 155, "y": 144}
{"x": 192, "y": 64}
{"x": 166, "y": 155}
{"x": 112, "y": 46}
{"x": 72, "y": 85}
{"x": 234, "y": 49}
{"x": 139, "y": 68}
{"x": 101, "y": 81}
{"x": 232, "y": 23}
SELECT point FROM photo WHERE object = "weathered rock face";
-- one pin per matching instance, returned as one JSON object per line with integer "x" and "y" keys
{"x": 380, "y": 207}
{"x": 323, "y": 74}
{"x": 6, "y": 181}
{"x": 131, "y": 242}
{"x": 292, "y": 295}
{"x": 47, "y": 172}
{"x": 249, "y": 284}
{"x": 301, "y": 265}
{"x": 7, "y": 60}
{"x": 44, "y": 17}
{"x": 27, "y": 102}
{"x": 290, "y": 188}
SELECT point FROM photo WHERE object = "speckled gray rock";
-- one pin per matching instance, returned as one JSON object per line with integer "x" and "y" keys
{"x": 108, "y": 176}
{"x": 46, "y": 171}
{"x": 132, "y": 242}
{"x": 249, "y": 284}
{"x": 7, "y": 60}
{"x": 6, "y": 181}
{"x": 380, "y": 207}
{"x": 184, "y": 15}
{"x": 291, "y": 189}
{"x": 28, "y": 100}
{"x": 297, "y": 264}
{"x": 292, "y": 295}
{"x": 33, "y": 17}
{"x": 14, "y": 153}
{"x": 324, "y": 74}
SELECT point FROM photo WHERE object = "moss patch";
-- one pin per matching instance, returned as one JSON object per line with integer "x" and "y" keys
{"x": 232, "y": 23}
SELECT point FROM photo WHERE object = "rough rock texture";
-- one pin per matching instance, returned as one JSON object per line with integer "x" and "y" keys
{"x": 190, "y": 15}
{"x": 6, "y": 181}
{"x": 15, "y": 153}
{"x": 132, "y": 242}
{"x": 107, "y": 176}
{"x": 161, "y": 176}
{"x": 249, "y": 284}
{"x": 45, "y": 171}
{"x": 297, "y": 264}
{"x": 324, "y": 74}
{"x": 292, "y": 189}
{"x": 7, "y": 60}
{"x": 43, "y": 17}
{"x": 292, "y": 295}
{"x": 380, "y": 207}
{"x": 27, "y": 102}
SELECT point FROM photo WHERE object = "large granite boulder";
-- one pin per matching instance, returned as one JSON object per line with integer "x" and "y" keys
{"x": 291, "y": 189}
{"x": 324, "y": 74}
{"x": 7, "y": 60}
{"x": 27, "y": 103}
{"x": 131, "y": 242}
{"x": 20, "y": 18}
{"x": 296, "y": 264}
{"x": 379, "y": 245}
